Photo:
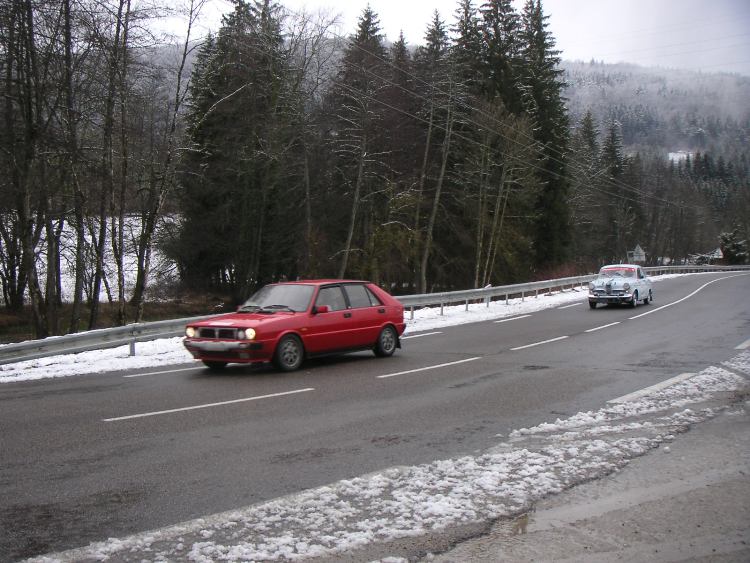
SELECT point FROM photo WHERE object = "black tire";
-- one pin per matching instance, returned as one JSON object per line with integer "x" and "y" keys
{"x": 387, "y": 342}
{"x": 215, "y": 366}
{"x": 634, "y": 301}
{"x": 648, "y": 299}
{"x": 289, "y": 353}
{"x": 592, "y": 304}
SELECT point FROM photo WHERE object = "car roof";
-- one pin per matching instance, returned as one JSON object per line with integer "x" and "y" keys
{"x": 318, "y": 282}
{"x": 620, "y": 266}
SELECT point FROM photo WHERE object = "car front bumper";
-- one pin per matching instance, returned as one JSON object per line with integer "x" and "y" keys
{"x": 227, "y": 350}
{"x": 610, "y": 298}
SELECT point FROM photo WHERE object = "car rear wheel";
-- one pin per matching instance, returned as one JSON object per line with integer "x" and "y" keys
{"x": 386, "y": 343}
{"x": 289, "y": 353}
{"x": 648, "y": 299}
{"x": 215, "y": 366}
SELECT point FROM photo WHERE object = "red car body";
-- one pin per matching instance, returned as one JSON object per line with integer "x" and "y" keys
{"x": 287, "y": 322}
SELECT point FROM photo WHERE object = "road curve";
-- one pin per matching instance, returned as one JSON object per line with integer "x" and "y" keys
{"x": 90, "y": 457}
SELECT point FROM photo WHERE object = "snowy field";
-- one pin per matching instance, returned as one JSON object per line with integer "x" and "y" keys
{"x": 406, "y": 502}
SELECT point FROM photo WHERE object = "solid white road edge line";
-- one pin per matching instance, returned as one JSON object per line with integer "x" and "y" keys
{"x": 688, "y": 296}
{"x": 648, "y": 390}
{"x": 568, "y": 306}
{"x": 539, "y": 343}
{"x": 744, "y": 346}
{"x": 429, "y": 367}
{"x": 601, "y": 327}
{"x": 512, "y": 319}
{"x": 420, "y": 335}
{"x": 160, "y": 372}
{"x": 195, "y": 407}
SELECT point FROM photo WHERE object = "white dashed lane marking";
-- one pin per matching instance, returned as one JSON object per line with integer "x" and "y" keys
{"x": 601, "y": 327}
{"x": 208, "y": 405}
{"x": 539, "y": 343}
{"x": 511, "y": 319}
{"x": 429, "y": 367}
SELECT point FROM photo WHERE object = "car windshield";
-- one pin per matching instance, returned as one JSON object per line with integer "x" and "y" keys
{"x": 618, "y": 272}
{"x": 279, "y": 297}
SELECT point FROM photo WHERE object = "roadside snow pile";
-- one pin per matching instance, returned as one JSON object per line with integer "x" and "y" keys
{"x": 404, "y": 502}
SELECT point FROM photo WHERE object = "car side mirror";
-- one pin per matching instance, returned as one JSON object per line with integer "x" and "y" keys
{"x": 320, "y": 309}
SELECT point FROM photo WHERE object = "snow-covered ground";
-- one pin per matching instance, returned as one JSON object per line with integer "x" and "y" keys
{"x": 406, "y": 502}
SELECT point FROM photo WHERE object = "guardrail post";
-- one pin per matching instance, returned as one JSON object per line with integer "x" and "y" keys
{"x": 441, "y": 309}
{"x": 132, "y": 341}
{"x": 412, "y": 312}
{"x": 506, "y": 299}
{"x": 523, "y": 296}
{"x": 467, "y": 305}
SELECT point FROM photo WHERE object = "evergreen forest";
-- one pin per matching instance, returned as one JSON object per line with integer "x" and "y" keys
{"x": 276, "y": 149}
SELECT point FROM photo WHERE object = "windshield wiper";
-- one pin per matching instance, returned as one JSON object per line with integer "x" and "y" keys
{"x": 248, "y": 308}
{"x": 274, "y": 308}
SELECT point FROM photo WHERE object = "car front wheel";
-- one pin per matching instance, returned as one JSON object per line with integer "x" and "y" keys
{"x": 634, "y": 301}
{"x": 215, "y": 366}
{"x": 592, "y": 304}
{"x": 386, "y": 344}
{"x": 289, "y": 353}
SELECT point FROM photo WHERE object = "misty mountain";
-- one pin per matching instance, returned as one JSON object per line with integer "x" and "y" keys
{"x": 663, "y": 110}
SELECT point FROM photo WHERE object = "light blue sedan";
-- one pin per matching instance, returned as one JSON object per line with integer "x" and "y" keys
{"x": 622, "y": 284}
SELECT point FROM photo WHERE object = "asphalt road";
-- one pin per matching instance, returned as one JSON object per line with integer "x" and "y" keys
{"x": 90, "y": 457}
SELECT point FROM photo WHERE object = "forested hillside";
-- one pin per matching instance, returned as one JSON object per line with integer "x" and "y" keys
{"x": 672, "y": 148}
{"x": 276, "y": 149}
{"x": 665, "y": 110}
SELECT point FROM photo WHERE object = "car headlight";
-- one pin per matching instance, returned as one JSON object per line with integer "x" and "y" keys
{"x": 190, "y": 332}
{"x": 246, "y": 333}
{"x": 591, "y": 286}
{"x": 626, "y": 286}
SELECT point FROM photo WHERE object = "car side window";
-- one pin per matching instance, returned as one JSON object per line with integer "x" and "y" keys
{"x": 332, "y": 297}
{"x": 359, "y": 296}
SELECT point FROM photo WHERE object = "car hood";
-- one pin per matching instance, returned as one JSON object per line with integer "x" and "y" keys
{"x": 246, "y": 320}
{"x": 613, "y": 281}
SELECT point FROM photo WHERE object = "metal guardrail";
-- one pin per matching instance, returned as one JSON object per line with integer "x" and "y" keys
{"x": 143, "y": 332}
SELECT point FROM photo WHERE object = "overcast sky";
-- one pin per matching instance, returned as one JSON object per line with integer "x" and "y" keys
{"x": 708, "y": 35}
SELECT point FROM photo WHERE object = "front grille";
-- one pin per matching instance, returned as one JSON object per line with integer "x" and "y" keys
{"x": 609, "y": 291}
{"x": 218, "y": 333}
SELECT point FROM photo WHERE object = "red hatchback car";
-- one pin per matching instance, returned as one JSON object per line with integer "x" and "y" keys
{"x": 285, "y": 323}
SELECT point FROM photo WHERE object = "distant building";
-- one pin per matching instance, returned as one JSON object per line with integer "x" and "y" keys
{"x": 637, "y": 255}
{"x": 680, "y": 156}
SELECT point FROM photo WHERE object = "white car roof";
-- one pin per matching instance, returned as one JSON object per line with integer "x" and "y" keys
{"x": 620, "y": 266}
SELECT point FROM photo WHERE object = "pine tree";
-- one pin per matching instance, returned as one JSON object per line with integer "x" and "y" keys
{"x": 502, "y": 53}
{"x": 239, "y": 126}
{"x": 586, "y": 201}
{"x": 541, "y": 86}
{"x": 467, "y": 46}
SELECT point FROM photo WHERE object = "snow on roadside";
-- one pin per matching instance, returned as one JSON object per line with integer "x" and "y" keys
{"x": 170, "y": 351}
{"x": 404, "y": 502}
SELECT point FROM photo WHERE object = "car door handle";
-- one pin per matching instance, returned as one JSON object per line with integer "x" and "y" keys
{"x": 347, "y": 315}
{"x": 381, "y": 310}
